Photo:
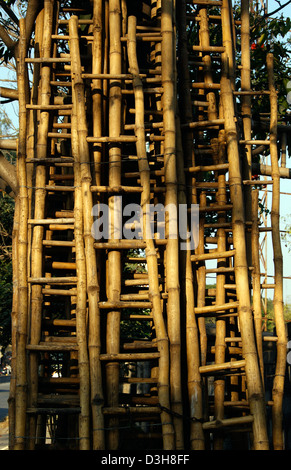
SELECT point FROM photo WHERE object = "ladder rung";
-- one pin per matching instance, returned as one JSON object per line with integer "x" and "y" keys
{"x": 63, "y": 265}
{"x": 52, "y": 399}
{"x": 60, "y": 322}
{"x": 255, "y": 142}
{"x": 59, "y": 188}
{"x": 62, "y": 292}
{"x": 60, "y": 135}
{"x": 215, "y": 207}
{"x": 51, "y": 221}
{"x": 222, "y": 366}
{"x": 117, "y": 189}
{"x": 208, "y": 48}
{"x": 140, "y": 345}
{"x": 251, "y": 92}
{"x": 126, "y": 244}
{"x": 49, "y": 107}
{"x": 121, "y": 138}
{"x": 122, "y": 410}
{"x": 129, "y": 356}
{"x": 222, "y": 423}
{"x": 52, "y": 280}
{"x": 210, "y": 86}
{"x": 118, "y": 305}
{"x": 219, "y": 270}
{"x": 50, "y": 346}
{"x": 58, "y": 243}
{"x": 215, "y": 308}
{"x": 48, "y": 60}
{"x": 215, "y": 255}
{"x": 136, "y": 282}
{"x": 213, "y": 122}
{"x": 60, "y": 340}
{"x": 50, "y": 160}
{"x": 195, "y": 169}
{"x": 138, "y": 380}
{"x": 53, "y": 411}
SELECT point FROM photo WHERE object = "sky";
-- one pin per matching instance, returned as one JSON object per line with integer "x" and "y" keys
{"x": 285, "y": 199}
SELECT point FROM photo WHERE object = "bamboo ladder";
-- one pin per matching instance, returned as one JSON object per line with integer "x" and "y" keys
{"x": 119, "y": 292}
{"x": 217, "y": 118}
{"x": 57, "y": 339}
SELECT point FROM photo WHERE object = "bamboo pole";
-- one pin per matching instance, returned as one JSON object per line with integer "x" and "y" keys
{"x": 81, "y": 302}
{"x": 201, "y": 279}
{"x": 185, "y": 139}
{"x": 207, "y": 67}
{"x": 194, "y": 381}
{"x": 278, "y": 385}
{"x": 256, "y": 278}
{"x": 228, "y": 39}
{"x": 39, "y": 209}
{"x": 150, "y": 251}
{"x": 246, "y": 113}
{"x": 22, "y": 245}
{"x": 219, "y": 384}
{"x": 172, "y": 249}
{"x": 14, "y": 326}
{"x": 97, "y": 98}
{"x": 91, "y": 265}
{"x": 114, "y": 257}
{"x": 254, "y": 384}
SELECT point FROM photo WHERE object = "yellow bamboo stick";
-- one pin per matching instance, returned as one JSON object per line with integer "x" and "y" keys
{"x": 91, "y": 265}
{"x": 254, "y": 384}
{"x": 22, "y": 314}
{"x": 278, "y": 385}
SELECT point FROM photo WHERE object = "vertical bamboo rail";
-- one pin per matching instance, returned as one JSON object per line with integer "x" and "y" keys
{"x": 187, "y": 159}
{"x": 246, "y": 113}
{"x": 207, "y": 65}
{"x": 256, "y": 278}
{"x": 254, "y": 384}
{"x": 14, "y": 323}
{"x": 91, "y": 267}
{"x": 194, "y": 381}
{"x": 185, "y": 99}
{"x": 201, "y": 281}
{"x": 172, "y": 249}
{"x": 278, "y": 385}
{"x": 228, "y": 40}
{"x": 81, "y": 301}
{"x": 219, "y": 384}
{"x": 114, "y": 257}
{"x": 98, "y": 112}
{"x": 22, "y": 316}
{"x": 151, "y": 254}
{"x": 39, "y": 209}
{"x": 97, "y": 94}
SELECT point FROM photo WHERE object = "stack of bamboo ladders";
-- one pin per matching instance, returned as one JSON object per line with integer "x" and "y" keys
{"x": 101, "y": 327}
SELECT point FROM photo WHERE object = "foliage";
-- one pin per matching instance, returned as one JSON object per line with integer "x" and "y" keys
{"x": 286, "y": 235}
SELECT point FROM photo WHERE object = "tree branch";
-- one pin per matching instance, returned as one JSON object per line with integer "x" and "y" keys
{"x": 9, "y": 12}
{"x": 33, "y": 9}
{"x": 9, "y": 43}
{"x": 9, "y": 93}
{"x": 8, "y": 178}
